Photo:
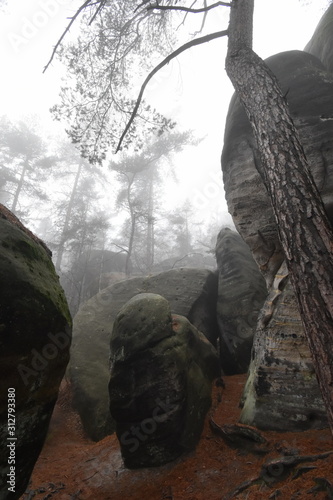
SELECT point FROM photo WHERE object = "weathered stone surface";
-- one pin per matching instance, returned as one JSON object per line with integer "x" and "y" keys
{"x": 190, "y": 292}
{"x": 282, "y": 392}
{"x": 160, "y": 387}
{"x": 241, "y": 294}
{"x": 309, "y": 89}
{"x": 321, "y": 43}
{"x": 35, "y": 330}
{"x": 291, "y": 388}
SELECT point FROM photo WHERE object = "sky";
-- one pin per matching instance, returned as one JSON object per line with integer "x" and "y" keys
{"x": 194, "y": 89}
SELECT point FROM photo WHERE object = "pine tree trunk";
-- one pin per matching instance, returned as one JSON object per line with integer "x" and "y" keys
{"x": 305, "y": 232}
{"x": 130, "y": 246}
{"x": 61, "y": 249}
{"x": 20, "y": 185}
{"x": 150, "y": 228}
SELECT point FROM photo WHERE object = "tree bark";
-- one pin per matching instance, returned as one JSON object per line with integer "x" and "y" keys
{"x": 305, "y": 232}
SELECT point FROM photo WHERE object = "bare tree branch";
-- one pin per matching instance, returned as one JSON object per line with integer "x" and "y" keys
{"x": 203, "y": 19}
{"x": 99, "y": 8}
{"x": 86, "y": 4}
{"x": 184, "y": 19}
{"x": 188, "y": 9}
{"x": 177, "y": 52}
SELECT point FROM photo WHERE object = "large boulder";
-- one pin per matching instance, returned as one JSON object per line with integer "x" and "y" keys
{"x": 308, "y": 87}
{"x": 321, "y": 43}
{"x": 241, "y": 294}
{"x": 190, "y": 292}
{"x": 162, "y": 370}
{"x": 35, "y": 331}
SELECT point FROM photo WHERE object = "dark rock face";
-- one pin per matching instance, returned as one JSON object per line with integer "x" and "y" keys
{"x": 35, "y": 332}
{"x": 321, "y": 44}
{"x": 160, "y": 386}
{"x": 190, "y": 292}
{"x": 241, "y": 294}
{"x": 281, "y": 382}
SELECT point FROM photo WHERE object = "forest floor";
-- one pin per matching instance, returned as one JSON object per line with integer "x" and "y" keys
{"x": 71, "y": 466}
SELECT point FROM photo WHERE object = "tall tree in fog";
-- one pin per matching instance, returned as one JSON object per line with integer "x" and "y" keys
{"x": 24, "y": 165}
{"x": 305, "y": 232}
{"x": 140, "y": 176}
{"x": 180, "y": 222}
{"x": 75, "y": 208}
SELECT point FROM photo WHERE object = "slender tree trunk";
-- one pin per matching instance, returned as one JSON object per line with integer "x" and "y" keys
{"x": 150, "y": 227}
{"x": 304, "y": 229}
{"x": 130, "y": 245}
{"x": 20, "y": 185}
{"x": 61, "y": 248}
{"x": 101, "y": 265}
{"x": 133, "y": 227}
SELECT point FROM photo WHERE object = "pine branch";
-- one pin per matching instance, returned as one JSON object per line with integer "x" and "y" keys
{"x": 188, "y": 9}
{"x": 86, "y": 4}
{"x": 177, "y": 52}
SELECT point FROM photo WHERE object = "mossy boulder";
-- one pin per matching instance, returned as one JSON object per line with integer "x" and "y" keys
{"x": 190, "y": 293}
{"x": 162, "y": 370}
{"x": 35, "y": 331}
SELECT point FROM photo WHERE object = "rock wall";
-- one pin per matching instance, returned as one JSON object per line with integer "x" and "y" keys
{"x": 308, "y": 88}
{"x": 35, "y": 334}
{"x": 321, "y": 44}
{"x": 282, "y": 392}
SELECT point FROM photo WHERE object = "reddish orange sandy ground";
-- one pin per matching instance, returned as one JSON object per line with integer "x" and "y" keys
{"x": 73, "y": 467}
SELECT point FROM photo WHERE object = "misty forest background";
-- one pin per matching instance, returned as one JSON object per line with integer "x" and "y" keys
{"x": 103, "y": 223}
{"x": 131, "y": 214}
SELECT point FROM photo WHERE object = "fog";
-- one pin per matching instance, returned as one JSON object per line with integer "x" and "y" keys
{"x": 78, "y": 208}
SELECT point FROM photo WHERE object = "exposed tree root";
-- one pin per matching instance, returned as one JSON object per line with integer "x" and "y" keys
{"x": 276, "y": 469}
{"x": 241, "y": 436}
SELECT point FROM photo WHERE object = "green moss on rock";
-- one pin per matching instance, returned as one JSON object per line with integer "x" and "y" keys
{"x": 35, "y": 334}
